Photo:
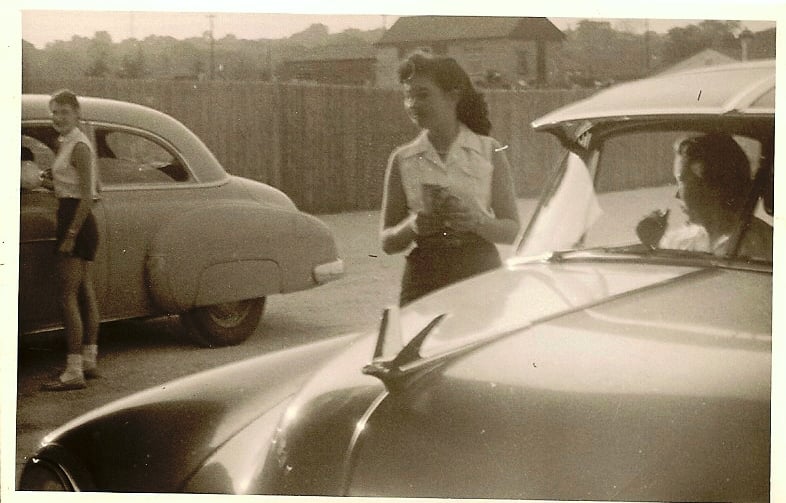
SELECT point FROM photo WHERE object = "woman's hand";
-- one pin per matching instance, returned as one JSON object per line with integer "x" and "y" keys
{"x": 46, "y": 179}
{"x": 462, "y": 217}
{"x": 425, "y": 224}
{"x": 464, "y": 220}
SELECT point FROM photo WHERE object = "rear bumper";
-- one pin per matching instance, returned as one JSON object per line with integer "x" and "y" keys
{"x": 329, "y": 271}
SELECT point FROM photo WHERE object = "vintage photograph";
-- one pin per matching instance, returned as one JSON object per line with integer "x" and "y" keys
{"x": 402, "y": 253}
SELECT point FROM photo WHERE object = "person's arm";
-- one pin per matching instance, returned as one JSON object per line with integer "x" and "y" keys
{"x": 503, "y": 227}
{"x": 80, "y": 159}
{"x": 399, "y": 229}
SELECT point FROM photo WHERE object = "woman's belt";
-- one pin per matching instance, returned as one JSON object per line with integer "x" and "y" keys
{"x": 448, "y": 238}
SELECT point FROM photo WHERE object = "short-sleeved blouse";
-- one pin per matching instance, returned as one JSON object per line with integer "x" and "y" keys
{"x": 65, "y": 176}
{"x": 467, "y": 169}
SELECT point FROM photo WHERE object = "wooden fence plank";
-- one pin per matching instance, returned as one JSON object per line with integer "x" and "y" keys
{"x": 327, "y": 146}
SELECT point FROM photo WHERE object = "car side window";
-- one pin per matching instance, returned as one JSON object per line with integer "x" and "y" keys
{"x": 635, "y": 181}
{"x": 43, "y": 155}
{"x": 126, "y": 158}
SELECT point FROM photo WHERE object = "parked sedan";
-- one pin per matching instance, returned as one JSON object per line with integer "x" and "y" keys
{"x": 590, "y": 366}
{"x": 179, "y": 234}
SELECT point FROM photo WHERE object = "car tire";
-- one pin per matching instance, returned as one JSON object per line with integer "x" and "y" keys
{"x": 225, "y": 324}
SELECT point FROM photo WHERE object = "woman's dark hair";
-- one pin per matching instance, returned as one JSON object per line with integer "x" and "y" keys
{"x": 726, "y": 171}
{"x": 448, "y": 75}
{"x": 65, "y": 97}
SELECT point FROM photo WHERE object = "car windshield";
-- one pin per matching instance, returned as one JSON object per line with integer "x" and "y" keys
{"x": 626, "y": 193}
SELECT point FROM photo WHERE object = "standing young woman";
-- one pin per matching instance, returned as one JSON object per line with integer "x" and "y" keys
{"x": 75, "y": 182}
{"x": 454, "y": 227}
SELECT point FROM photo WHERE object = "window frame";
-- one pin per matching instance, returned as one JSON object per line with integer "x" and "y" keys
{"x": 136, "y": 131}
{"x": 157, "y": 140}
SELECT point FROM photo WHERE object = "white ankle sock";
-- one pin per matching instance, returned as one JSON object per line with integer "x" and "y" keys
{"x": 89, "y": 356}
{"x": 73, "y": 367}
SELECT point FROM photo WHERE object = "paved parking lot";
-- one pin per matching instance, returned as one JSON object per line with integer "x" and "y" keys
{"x": 136, "y": 355}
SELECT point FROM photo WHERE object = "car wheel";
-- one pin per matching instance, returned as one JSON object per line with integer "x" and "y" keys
{"x": 225, "y": 324}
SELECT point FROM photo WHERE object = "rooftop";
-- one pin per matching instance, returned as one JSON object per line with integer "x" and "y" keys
{"x": 444, "y": 28}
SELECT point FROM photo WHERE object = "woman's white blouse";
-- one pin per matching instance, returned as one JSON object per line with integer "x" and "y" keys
{"x": 65, "y": 177}
{"x": 467, "y": 169}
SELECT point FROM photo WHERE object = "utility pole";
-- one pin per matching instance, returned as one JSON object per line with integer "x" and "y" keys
{"x": 270, "y": 60}
{"x": 647, "y": 46}
{"x": 212, "y": 47}
{"x": 746, "y": 37}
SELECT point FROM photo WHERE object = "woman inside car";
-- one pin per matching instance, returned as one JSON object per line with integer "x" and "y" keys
{"x": 75, "y": 183}
{"x": 449, "y": 191}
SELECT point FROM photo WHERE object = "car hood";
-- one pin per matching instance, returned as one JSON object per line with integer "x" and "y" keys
{"x": 585, "y": 369}
{"x": 153, "y": 440}
{"x": 634, "y": 381}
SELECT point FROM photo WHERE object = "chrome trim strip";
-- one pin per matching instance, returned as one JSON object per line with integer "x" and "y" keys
{"x": 328, "y": 271}
{"x": 59, "y": 471}
{"x": 742, "y": 100}
{"x": 351, "y": 453}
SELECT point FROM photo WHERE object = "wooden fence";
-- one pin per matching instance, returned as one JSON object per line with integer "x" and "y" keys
{"x": 324, "y": 146}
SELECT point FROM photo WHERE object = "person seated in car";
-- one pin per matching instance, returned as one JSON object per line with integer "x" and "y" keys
{"x": 713, "y": 179}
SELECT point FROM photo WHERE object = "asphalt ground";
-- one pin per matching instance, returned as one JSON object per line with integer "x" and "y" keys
{"x": 136, "y": 355}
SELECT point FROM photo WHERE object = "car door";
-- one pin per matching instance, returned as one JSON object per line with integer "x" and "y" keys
{"x": 144, "y": 183}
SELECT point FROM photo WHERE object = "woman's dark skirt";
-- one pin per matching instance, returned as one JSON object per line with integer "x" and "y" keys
{"x": 86, "y": 243}
{"x": 429, "y": 268}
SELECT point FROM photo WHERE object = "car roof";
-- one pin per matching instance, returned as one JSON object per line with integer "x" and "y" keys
{"x": 737, "y": 90}
{"x": 206, "y": 167}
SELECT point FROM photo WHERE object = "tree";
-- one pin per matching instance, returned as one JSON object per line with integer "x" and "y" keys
{"x": 31, "y": 63}
{"x": 99, "y": 53}
{"x": 683, "y": 42}
{"x": 133, "y": 66}
{"x": 316, "y": 34}
{"x": 595, "y": 54}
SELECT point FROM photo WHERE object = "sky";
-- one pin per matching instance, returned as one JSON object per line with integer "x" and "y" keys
{"x": 44, "y": 21}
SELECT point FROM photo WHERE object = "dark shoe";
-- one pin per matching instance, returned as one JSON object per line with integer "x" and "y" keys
{"x": 58, "y": 385}
{"x": 92, "y": 373}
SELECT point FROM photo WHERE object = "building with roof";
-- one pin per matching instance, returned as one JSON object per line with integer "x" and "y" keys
{"x": 333, "y": 64}
{"x": 706, "y": 57}
{"x": 496, "y": 51}
{"x": 753, "y": 46}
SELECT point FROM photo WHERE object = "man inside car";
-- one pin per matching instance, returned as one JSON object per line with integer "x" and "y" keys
{"x": 713, "y": 182}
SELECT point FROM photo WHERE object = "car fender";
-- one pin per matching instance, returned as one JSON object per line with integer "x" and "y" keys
{"x": 233, "y": 251}
{"x": 159, "y": 431}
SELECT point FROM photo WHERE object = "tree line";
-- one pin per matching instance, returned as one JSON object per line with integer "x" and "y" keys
{"x": 593, "y": 52}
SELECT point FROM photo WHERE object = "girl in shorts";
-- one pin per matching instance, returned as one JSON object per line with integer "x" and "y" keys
{"x": 75, "y": 183}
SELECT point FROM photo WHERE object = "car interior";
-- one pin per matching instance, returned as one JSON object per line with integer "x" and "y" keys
{"x": 124, "y": 159}
{"x": 634, "y": 178}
